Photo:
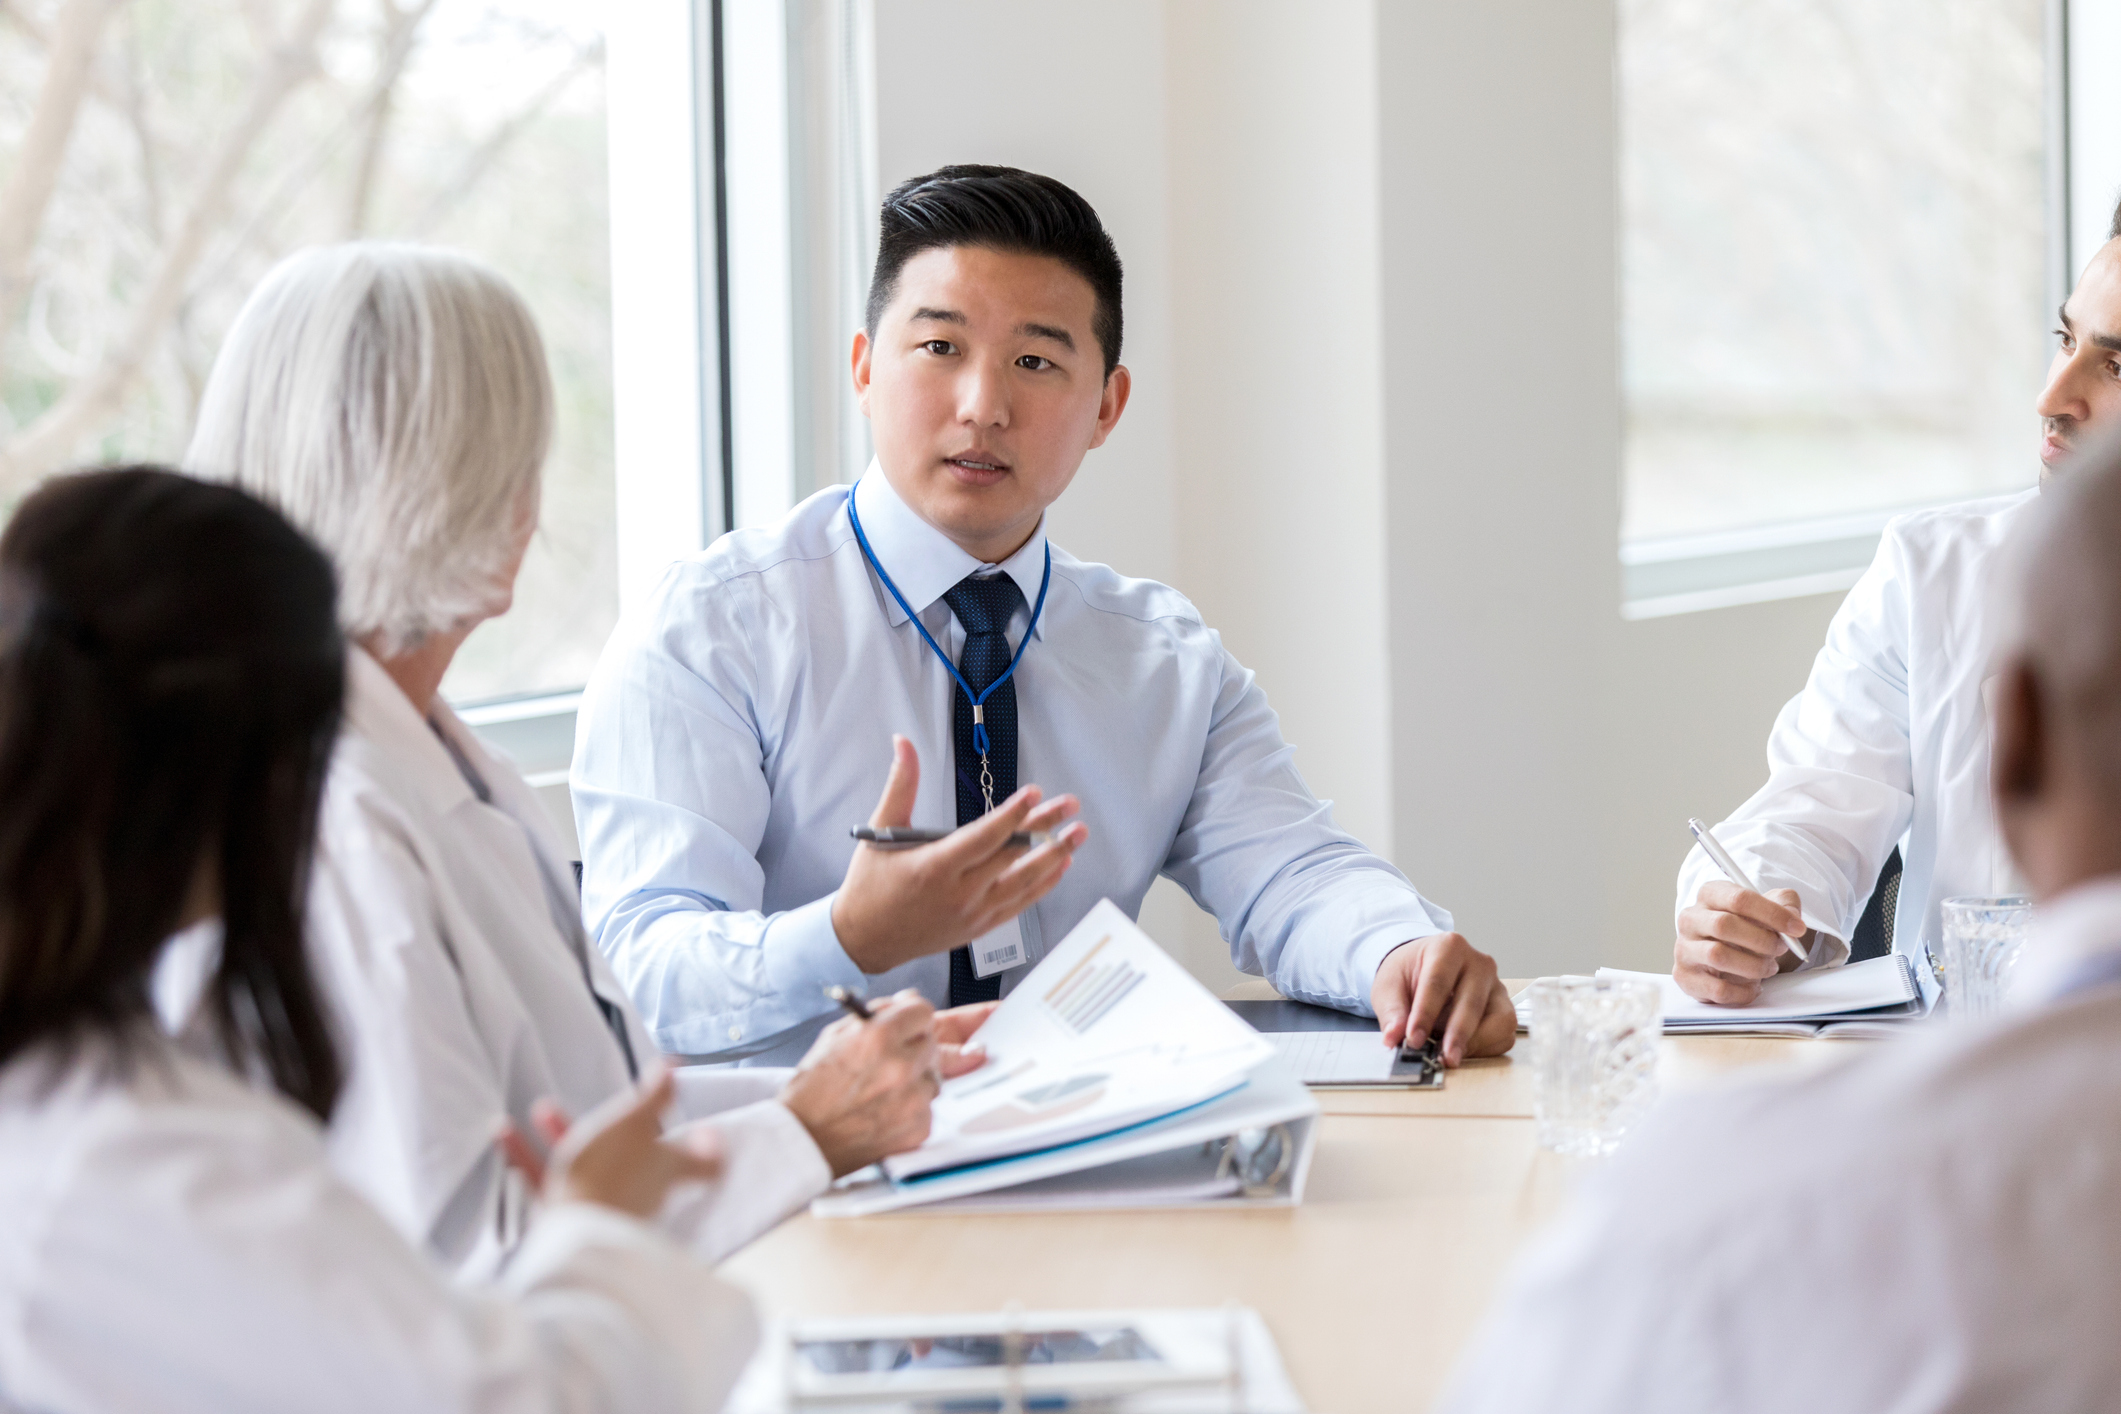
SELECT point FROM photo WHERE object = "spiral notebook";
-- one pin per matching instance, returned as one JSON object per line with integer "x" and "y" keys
{"x": 1868, "y": 998}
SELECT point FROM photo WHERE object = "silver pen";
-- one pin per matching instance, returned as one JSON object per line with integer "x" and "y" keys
{"x": 901, "y": 837}
{"x": 1721, "y": 858}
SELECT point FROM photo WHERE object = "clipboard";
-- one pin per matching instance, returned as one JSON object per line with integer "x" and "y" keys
{"x": 1339, "y": 1050}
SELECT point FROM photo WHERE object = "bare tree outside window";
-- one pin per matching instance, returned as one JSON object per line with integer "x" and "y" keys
{"x": 158, "y": 156}
{"x": 1832, "y": 245}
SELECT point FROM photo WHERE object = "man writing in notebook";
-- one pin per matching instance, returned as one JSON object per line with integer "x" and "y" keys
{"x": 917, "y": 638}
{"x": 1927, "y": 1228}
{"x": 1888, "y": 743}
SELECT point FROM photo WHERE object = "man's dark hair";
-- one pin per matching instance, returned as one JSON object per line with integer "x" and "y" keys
{"x": 2113, "y": 227}
{"x": 170, "y": 678}
{"x": 1000, "y": 208}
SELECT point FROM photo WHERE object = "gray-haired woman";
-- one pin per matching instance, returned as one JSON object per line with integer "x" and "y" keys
{"x": 393, "y": 400}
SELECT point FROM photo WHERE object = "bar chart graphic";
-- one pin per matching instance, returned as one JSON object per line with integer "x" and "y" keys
{"x": 1091, "y": 988}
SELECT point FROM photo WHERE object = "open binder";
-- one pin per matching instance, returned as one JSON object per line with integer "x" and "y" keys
{"x": 1113, "y": 1079}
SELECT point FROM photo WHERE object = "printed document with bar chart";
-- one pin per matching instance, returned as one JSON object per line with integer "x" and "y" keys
{"x": 1107, "y": 1031}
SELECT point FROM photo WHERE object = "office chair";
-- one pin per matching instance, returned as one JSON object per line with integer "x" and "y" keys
{"x": 1874, "y": 930}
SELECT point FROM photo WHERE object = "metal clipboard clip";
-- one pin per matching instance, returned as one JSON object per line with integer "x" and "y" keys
{"x": 1419, "y": 1069}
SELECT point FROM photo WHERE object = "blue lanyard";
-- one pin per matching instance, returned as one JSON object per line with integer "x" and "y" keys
{"x": 977, "y": 699}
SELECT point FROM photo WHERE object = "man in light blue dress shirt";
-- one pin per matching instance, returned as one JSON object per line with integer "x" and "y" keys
{"x": 772, "y": 691}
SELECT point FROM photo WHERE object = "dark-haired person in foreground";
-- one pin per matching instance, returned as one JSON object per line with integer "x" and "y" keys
{"x": 1928, "y": 1229}
{"x": 772, "y": 688}
{"x": 172, "y": 1236}
{"x": 1888, "y": 743}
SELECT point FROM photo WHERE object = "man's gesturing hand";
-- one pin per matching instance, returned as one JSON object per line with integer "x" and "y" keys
{"x": 864, "y": 1089}
{"x": 1732, "y": 940}
{"x": 900, "y": 904}
{"x": 1444, "y": 983}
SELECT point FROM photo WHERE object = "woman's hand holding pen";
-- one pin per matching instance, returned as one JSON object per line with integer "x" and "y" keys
{"x": 900, "y": 904}
{"x": 864, "y": 1089}
{"x": 958, "y": 1053}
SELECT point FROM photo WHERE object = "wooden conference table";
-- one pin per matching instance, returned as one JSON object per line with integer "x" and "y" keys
{"x": 1372, "y": 1286}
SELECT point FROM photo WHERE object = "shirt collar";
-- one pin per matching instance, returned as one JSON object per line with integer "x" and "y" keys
{"x": 925, "y": 563}
{"x": 379, "y": 709}
{"x": 2072, "y": 933}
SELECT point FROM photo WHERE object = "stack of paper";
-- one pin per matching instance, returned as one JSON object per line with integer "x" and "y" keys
{"x": 1863, "y": 998}
{"x": 1107, "y": 1052}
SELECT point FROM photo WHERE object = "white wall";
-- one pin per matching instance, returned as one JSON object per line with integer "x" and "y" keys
{"x": 1276, "y": 332}
{"x": 1070, "y": 91}
{"x": 1502, "y": 433}
{"x": 1080, "y": 96}
{"x": 1375, "y": 434}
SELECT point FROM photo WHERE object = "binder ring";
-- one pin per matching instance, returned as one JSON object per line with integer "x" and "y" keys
{"x": 1258, "y": 1159}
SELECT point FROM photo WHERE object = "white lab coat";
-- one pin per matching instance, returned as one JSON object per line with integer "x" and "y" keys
{"x": 1888, "y": 744}
{"x": 1926, "y": 1229}
{"x": 175, "y": 1240}
{"x": 446, "y": 937}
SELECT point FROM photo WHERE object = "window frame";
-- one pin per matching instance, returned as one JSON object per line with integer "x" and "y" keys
{"x": 766, "y": 247}
{"x": 671, "y": 388}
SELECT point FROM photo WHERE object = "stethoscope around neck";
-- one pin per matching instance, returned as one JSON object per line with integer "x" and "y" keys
{"x": 978, "y": 700}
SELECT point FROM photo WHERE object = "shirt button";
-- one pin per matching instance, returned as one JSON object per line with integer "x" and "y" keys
{"x": 736, "y": 1033}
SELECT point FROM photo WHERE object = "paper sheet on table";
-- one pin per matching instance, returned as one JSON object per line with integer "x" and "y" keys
{"x": 1107, "y": 1031}
{"x": 1829, "y": 993}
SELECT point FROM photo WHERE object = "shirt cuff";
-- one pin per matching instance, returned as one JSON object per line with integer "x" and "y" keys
{"x": 1370, "y": 954}
{"x": 804, "y": 956}
{"x": 771, "y": 1168}
{"x": 1825, "y": 951}
{"x": 708, "y": 1090}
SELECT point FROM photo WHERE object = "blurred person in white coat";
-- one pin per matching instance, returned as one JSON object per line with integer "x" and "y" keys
{"x": 394, "y": 402}
{"x": 174, "y": 1237}
{"x": 1888, "y": 744}
{"x": 1929, "y": 1228}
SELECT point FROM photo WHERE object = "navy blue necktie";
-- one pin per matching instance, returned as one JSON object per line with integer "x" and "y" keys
{"x": 984, "y": 607}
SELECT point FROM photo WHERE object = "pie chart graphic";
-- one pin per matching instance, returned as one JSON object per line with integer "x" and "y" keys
{"x": 1040, "y": 1103}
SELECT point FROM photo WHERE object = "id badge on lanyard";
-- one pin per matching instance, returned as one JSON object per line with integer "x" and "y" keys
{"x": 1001, "y": 948}
{"x": 998, "y": 949}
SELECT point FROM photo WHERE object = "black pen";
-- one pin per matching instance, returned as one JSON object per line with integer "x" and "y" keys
{"x": 900, "y": 837}
{"x": 855, "y": 1005}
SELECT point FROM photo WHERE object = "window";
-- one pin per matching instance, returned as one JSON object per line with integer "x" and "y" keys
{"x": 2085, "y": 43}
{"x": 1834, "y": 288}
{"x": 192, "y": 143}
